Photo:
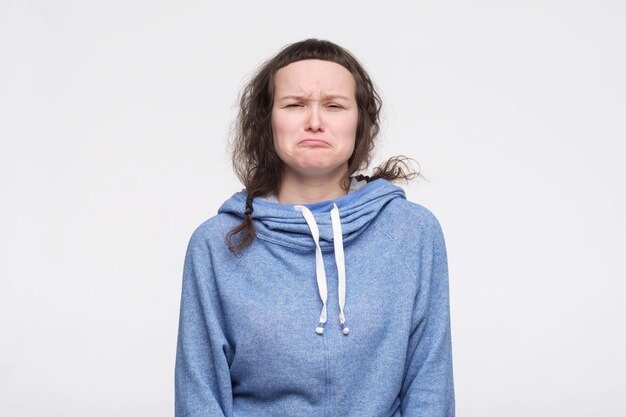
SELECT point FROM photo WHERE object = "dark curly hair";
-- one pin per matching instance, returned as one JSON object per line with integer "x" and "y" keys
{"x": 254, "y": 158}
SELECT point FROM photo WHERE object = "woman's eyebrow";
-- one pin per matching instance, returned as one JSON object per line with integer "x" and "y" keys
{"x": 336, "y": 96}
{"x": 294, "y": 97}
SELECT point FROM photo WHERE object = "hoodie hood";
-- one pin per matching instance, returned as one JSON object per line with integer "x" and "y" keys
{"x": 284, "y": 224}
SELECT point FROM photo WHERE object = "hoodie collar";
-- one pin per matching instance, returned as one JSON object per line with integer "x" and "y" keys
{"x": 284, "y": 225}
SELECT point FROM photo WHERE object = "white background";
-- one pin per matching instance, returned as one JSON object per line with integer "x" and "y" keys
{"x": 114, "y": 120}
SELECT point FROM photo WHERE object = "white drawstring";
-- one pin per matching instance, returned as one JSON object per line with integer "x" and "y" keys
{"x": 341, "y": 266}
{"x": 319, "y": 265}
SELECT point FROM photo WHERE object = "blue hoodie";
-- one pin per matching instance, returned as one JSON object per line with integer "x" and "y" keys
{"x": 351, "y": 323}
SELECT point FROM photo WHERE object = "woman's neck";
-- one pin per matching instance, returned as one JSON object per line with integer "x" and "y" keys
{"x": 307, "y": 190}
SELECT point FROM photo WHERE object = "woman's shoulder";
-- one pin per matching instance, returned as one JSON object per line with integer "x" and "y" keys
{"x": 414, "y": 230}
{"x": 403, "y": 211}
{"x": 229, "y": 214}
{"x": 213, "y": 229}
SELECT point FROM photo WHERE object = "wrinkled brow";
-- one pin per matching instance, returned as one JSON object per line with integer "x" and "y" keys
{"x": 308, "y": 98}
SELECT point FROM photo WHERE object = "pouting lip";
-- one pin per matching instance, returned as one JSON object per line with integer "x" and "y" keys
{"x": 313, "y": 142}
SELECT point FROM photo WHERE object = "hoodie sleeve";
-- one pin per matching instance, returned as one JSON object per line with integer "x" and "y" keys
{"x": 202, "y": 377}
{"x": 428, "y": 388}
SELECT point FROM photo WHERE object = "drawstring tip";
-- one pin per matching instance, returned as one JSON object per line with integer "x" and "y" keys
{"x": 344, "y": 329}
{"x": 319, "y": 329}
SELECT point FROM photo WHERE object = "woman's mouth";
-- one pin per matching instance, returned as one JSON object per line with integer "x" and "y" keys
{"x": 314, "y": 143}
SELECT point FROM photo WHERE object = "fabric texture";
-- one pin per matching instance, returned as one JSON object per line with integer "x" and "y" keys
{"x": 249, "y": 343}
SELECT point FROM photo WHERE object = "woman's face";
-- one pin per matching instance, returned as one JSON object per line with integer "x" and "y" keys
{"x": 314, "y": 118}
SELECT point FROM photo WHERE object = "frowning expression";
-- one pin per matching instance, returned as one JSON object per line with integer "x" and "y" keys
{"x": 314, "y": 118}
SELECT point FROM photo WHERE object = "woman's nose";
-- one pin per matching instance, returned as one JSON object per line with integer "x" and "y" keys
{"x": 314, "y": 121}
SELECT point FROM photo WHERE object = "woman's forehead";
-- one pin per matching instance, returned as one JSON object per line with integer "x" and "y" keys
{"x": 314, "y": 77}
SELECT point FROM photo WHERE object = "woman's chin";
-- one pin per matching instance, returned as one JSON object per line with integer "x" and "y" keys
{"x": 319, "y": 169}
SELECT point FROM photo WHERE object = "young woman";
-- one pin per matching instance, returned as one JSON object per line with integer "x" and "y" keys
{"x": 314, "y": 292}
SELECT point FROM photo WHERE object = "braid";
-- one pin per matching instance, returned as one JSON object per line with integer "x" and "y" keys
{"x": 249, "y": 207}
{"x": 242, "y": 235}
